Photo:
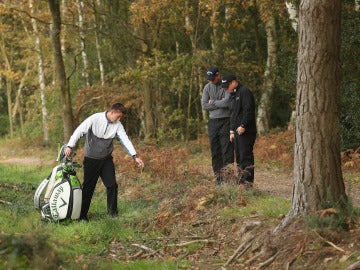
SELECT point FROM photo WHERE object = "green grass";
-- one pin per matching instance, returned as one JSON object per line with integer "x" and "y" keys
{"x": 258, "y": 205}
{"x": 23, "y": 174}
{"x": 71, "y": 240}
{"x": 105, "y": 242}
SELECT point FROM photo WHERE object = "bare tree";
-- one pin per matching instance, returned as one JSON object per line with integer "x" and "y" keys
{"x": 293, "y": 15}
{"x": 317, "y": 165}
{"x": 9, "y": 82}
{"x": 41, "y": 75}
{"x": 81, "y": 24}
{"x": 264, "y": 108}
{"x": 61, "y": 80}
{"x": 97, "y": 26}
{"x": 294, "y": 18}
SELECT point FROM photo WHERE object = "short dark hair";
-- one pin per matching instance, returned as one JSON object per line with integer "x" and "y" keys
{"x": 119, "y": 107}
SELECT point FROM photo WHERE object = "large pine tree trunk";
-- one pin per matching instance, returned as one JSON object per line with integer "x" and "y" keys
{"x": 317, "y": 165}
{"x": 61, "y": 79}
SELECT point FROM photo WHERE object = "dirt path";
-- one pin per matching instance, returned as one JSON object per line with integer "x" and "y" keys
{"x": 280, "y": 184}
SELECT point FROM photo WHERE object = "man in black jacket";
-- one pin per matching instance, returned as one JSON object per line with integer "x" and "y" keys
{"x": 242, "y": 126}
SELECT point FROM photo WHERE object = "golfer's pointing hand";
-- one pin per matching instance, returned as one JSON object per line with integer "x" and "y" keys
{"x": 139, "y": 162}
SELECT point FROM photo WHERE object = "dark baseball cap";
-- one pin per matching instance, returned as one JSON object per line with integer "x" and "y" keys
{"x": 226, "y": 80}
{"x": 211, "y": 73}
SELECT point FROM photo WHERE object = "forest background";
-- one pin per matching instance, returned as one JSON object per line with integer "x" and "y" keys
{"x": 63, "y": 60}
{"x": 153, "y": 56}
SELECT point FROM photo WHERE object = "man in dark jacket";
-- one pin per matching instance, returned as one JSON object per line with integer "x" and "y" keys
{"x": 242, "y": 126}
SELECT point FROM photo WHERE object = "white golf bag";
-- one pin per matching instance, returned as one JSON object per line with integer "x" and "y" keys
{"x": 62, "y": 197}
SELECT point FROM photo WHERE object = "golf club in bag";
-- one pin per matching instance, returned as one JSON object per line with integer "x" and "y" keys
{"x": 58, "y": 197}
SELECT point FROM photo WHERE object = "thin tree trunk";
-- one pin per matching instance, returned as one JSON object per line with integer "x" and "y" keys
{"x": 294, "y": 18}
{"x": 214, "y": 25}
{"x": 16, "y": 107}
{"x": 192, "y": 29}
{"x": 8, "y": 94}
{"x": 41, "y": 77}
{"x": 61, "y": 79}
{"x": 264, "y": 108}
{"x": 63, "y": 36}
{"x": 81, "y": 16}
{"x": 293, "y": 15}
{"x": 9, "y": 83}
{"x": 317, "y": 165}
{"x": 148, "y": 110}
{"x": 97, "y": 26}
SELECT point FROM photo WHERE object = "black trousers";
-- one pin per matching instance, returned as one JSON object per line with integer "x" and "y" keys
{"x": 222, "y": 150}
{"x": 244, "y": 146}
{"x": 93, "y": 169}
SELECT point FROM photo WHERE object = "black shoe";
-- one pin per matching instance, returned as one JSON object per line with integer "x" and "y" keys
{"x": 83, "y": 219}
{"x": 113, "y": 215}
{"x": 246, "y": 183}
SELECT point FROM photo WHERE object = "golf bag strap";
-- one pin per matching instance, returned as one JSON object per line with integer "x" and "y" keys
{"x": 50, "y": 186}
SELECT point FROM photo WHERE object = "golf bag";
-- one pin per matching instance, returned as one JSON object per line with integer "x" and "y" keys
{"x": 63, "y": 194}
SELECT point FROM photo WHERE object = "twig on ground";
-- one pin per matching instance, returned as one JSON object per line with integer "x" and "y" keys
{"x": 328, "y": 242}
{"x": 150, "y": 250}
{"x": 354, "y": 266}
{"x": 193, "y": 242}
{"x": 136, "y": 255}
{"x": 246, "y": 244}
{"x": 248, "y": 262}
{"x": 268, "y": 261}
{"x": 5, "y": 202}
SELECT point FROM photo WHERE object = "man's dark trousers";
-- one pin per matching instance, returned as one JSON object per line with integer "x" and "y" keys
{"x": 244, "y": 147}
{"x": 93, "y": 169}
{"x": 222, "y": 150}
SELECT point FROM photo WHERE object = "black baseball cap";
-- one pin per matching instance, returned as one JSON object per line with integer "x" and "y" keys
{"x": 226, "y": 80}
{"x": 211, "y": 73}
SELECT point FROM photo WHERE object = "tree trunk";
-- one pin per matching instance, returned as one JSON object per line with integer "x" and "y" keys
{"x": 9, "y": 83}
{"x": 8, "y": 94}
{"x": 97, "y": 26}
{"x": 81, "y": 16}
{"x": 317, "y": 165}
{"x": 149, "y": 123}
{"x": 61, "y": 79}
{"x": 293, "y": 15}
{"x": 192, "y": 30}
{"x": 17, "y": 103}
{"x": 41, "y": 76}
{"x": 294, "y": 18}
{"x": 264, "y": 109}
{"x": 63, "y": 36}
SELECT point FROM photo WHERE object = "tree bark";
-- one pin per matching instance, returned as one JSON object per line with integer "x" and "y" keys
{"x": 9, "y": 87}
{"x": 97, "y": 26}
{"x": 61, "y": 80}
{"x": 41, "y": 76}
{"x": 81, "y": 22}
{"x": 317, "y": 165}
{"x": 293, "y": 15}
{"x": 264, "y": 109}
